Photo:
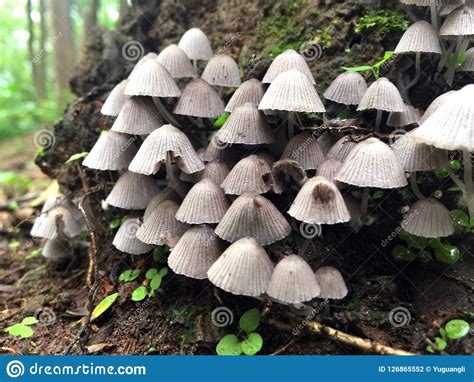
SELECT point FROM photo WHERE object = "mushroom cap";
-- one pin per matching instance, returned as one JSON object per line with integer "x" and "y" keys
{"x": 341, "y": 149}
{"x": 250, "y": 174}
{"x": 158, "y": 144}
{"x": 427, "y": 3}
{"x": 112, "y": 151}
{"x": 372, "y": 163}
{"x": 63, "y": 217}
{"x": 132, "y": 191}
{"x": 215, "y": 170}
{"x": 246, "y": 125}
{"x": 404, "y": 118}
{"x": 305, "y": 149}
{"x": 285, "y": 61}
{"x": 287, "y": 168}
{"x": 176, "y": 62}
{"x": 166, "y": 193}
{"x": 204, "y": 203}
{"x": 195, "y": 252}
{"x": 116, "y": 99}
{"x": 243, "y": 269}
{"x": 196, "y": 45}
{"x": 414, "y": 156}
{"x": 419, "y": 37}
{"x": 161, "y": 227}
{"x": 199, "y": 99}
{"x": 347, "y": 88}
{"x": 428, "y": 218}
{"x": 319, "y": 202}
{"x": 253, "y": 215}
{"x": 382, "y": 95}
{"x": 293, "y": 281}
{"x": 437, "y": 102}
{"x": 329, "y": 169}
{"x": 125, "y": 240}
{"x": 151, "y": 79}
{"x": 450, "y": 126}
{"x": 222, "y": 151}
{"x": 459, "y": 22}
{"x": 249, "y": 91}
{"x": 468, "y": 64}
{"x": 222, "y": 70}
{"x": 56, "y": 249}
{"x": 326, "y": 141}
{"x": 292, "y": 91}
{"x": 331, "y": 283}
{"x": 138, "y": 116}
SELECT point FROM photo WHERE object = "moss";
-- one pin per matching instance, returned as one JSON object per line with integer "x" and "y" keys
{"x": 382, "y": 22}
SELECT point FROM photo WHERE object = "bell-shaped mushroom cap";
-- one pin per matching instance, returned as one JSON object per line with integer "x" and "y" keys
{"x": 428, "y": 218}
{"x": 132, "y": 191}
{"x": 56, "y": 249}
{"x": 250, "y": 174}
{"x": 319, "y": 202}
{"x": 468, "y": 64}
{"x": 196, "y": 45}
{"x": 176, "y": 62}
{"x": 331, "y": 283}
{"x": 419, "y": 37}
{"x": 414, "y": 156}
{"x": 138, "y": 116}
{"x": 166, "y": 193}
{"x": 151, "y": 79}
{"x": 287, "y": 168}
{"x": 250, "y": 91}
{"x": 125, "y": 240}
{"x": 285, "y": 61}
{"x": 437, "y": 102}
{"x": 116, "y": 99}
{"x": 161, "y": 227}
{"x": 195, "y": 252}
{"x": 244, "y": 269}
{"x": 459, "y": 22}
{"x": 199, "y": 99}
{"x": 329, "y": 169}
{"x": 426, "y": 3}
{"x": 372, "y": 163}
{"x": 293, "y": 281}
{"x": 61, "y": 217}
{"x": 341, "y": 149}
{"x": 404, "y": 118}
{"x": 253, "y": 215}
{"x": 292, "y": 91}
{"x": 222, "y": 70}
{"x": 158, "y": 144}
{"x": 348, "y": 88}
{"x": 222, "y": 151}
{"x": 246, "y": 125}
{"x": 215, "y": 170}
{"x": 450, "y": 126}
{"x": 382, "y": 95}
{"x": 304, "y": 148}
{"x": 112, "y": 151}
{"x": 204, "y": 203}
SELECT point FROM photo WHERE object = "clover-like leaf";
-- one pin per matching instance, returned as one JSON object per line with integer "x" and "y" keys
{"x": 163, "y": 272}
{"x": 402, "y": 253}
{"x": 30, "y": 320}
{"x": 77, "y": 156}
{"x": 456, "y": 329}
{"x": 460, "y": 218}
{"x": 152, "y": 272}
{"x": 155, "y": 282}
{"x": 447, "y": 254}
{"x": 250, "y": 320}
{"x": 129, "y": 275}
{"x": 20, "y": 330}
{"x": 252, "y": 344}
{"x": 140, "y": 293}
{"x": 229, "y": 345}
{"x": 103, "y": 306}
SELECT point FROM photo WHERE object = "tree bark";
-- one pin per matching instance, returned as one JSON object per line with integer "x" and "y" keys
{"x": 90, "y": 22}
{"x": 31, "y": 50}
{"x": 123, "y": 8}
{"x": 41, "y": 86}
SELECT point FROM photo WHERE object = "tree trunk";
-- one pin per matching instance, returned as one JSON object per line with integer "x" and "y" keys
{"x": 63, "y": 47}
{"x": 31, "y": 50}
{"x": 41, "y": 65}
{"x": 123, "y": 8}
{"x": 90, "y": 22}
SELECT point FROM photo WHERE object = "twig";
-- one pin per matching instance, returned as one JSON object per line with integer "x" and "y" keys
{"x": 10, "y": 350}
{"x": 345, "y": 338}
{"x": 283, "y": 348}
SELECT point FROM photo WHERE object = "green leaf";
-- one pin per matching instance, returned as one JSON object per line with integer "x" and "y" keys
{"x": 34, "y": 253}
{"x": 377, "y": 195}
{"x": 129, "y": 275}
{"x": 430, "y": 349}
{"x": 221, "y": 120}
{"x": 425, "y": 256}
{"x": 402, "y": 253}
{"x": 441, "y": 344}
{"x": 441, "y": 173}
{"x": 454, "y": 189}
{"x": 30, "y": 320}
{"x": 447, "y": 254}
{"x": 103, "y": 306}
{"x": 250, "y": 320}
{"x": 343, "y": 114}
{"x": 20, "y": 330}
{"x": 460, "y": 218}
{"x": 456, "y": 329}
{"x": 115, "y": 223}
{"x": 163, "y": 272}
{"x": 155, "y": 282}
{"x": 77, "y": 156}
{"x": 362, "y": 68}
{"x": 455, "y": 165}
{"x": 229, "y": 345}
{"x": 252, "y": 344}
{"x": 152, "y": 272}
{"x": 140, "y": 293}
{"x": 14, "y": 244}
{"x": 413, "y": 240}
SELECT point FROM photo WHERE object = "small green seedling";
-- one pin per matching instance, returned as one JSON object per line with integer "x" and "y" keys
{"x": 453, "y": 330}
{"x": 375, "y": 68}
{"x": 247, "y": 341}
{"x": 34, "y": 253}
{"x": 103, "y": 306}
{"x": 461, "y": 219}
{"x": 22, "y": 329}
{"x": 377, "y": 195}
{"x": 115, "y": 223}
{"x": 219, "y": 122}
{"x": 14, "y": 245}
{"x": 77, "y": 156}
{"x": 129, "y": 275}
{"x": 154, "y": 278}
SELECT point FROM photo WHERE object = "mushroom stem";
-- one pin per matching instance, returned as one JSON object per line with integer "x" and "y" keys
{"x": 434, "y": 15}
{"x": 303, "y": 248}
{"x": 195, "y": 66}
{"x": 378, "y": 119}
{"x": 456, "y": 179}
{"x": 165, "y": 113}
{"x": 461, "y": 45}
{"x": 291, "y": 125}
{"x": 364, "y": 204}
{"x": 173, "y": 182}
{"x": 414, "y": 186}
{"x": 468, "y": 182}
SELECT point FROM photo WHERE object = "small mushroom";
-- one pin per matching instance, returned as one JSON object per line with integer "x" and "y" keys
{"x": 328, "y": 169}
{"x": 58, "y": 223}
{"x": 125, "y": 240}
{"x": 56, "y": 249}
{"x": 250, "y": 174}
{"x": 115, "y": 101}
{"x": 348, "y": 88}
{"x": 176, "y": 62}
{"x": 249, "y": 91}
{"x": 304, "y": 148}
{"x": 138, "y": 116}
{"x": 410, "y": 116}
{"x": 222, "y": 70}
{"x": 166, "y": 193}
{"x": 285, "y": 61}
{"x": 331, "y": 283}
{"x": 132, "y": 191}
{"x": 196, "y": 45}
{"x": 341, "y": 149}
{"x": 284, "y": 170}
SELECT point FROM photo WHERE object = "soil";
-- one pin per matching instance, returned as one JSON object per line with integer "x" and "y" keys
{"x": 178, "y": 320}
